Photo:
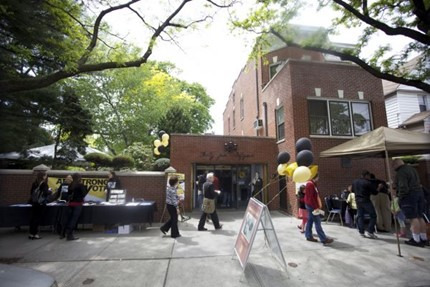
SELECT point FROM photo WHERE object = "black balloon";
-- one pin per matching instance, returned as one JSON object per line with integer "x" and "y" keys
{"x": 161, "y": 148}
{"x": 303, "y": 144}
{"x": 305, "y": 158}
{"x": 161, "y": 133}
{"x": 283, "y": 157}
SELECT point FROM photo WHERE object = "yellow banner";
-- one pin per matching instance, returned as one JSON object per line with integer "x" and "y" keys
{"x": 96, "y": 187}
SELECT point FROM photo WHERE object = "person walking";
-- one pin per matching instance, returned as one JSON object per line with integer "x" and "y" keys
{"x": 363, "y": 189}
{"x": 352, "y": 207}
{"x": 313, "y": 206}
{"x": 172, "y": 200}
{"x": 38, "y": 199}
{"x": 210, "y": 193}
{"x": 77, "y": 193}
{"x": 411, "y": 201}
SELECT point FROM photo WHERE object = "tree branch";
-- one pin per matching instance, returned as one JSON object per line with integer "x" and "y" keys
{"x": 423, "y": 16}
{"x": 415, "y": 35}
{"x": 347, "y": 57}
{"x": 95, "y": 33}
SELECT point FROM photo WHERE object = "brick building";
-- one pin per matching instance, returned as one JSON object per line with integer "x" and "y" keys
{"x": 293, "y": 93}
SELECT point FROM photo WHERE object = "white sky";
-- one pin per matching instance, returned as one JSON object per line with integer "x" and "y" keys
{"x": 213, "y": 56}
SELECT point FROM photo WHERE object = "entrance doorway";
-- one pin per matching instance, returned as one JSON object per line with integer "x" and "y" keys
{"x": 235, "y": 183}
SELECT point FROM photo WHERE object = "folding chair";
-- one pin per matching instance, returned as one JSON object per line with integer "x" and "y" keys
{"x": 333, "y": 209}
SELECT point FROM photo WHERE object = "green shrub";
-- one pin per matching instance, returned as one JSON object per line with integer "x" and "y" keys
{"x": 120, "y": 161}
{"x": 411, "y": 159}
{"x": 161, "y": 164}
{"x": 98, "y": 159}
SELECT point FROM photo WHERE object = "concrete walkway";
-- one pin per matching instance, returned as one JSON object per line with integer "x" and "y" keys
{"x": 146, "y": 258}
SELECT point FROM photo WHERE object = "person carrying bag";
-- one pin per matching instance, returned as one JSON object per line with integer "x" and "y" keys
{"x": 208, "y": 206}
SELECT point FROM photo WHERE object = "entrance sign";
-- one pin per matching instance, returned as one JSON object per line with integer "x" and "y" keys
{"x": 257, "y": 213}
{"x": 247, "y": 231}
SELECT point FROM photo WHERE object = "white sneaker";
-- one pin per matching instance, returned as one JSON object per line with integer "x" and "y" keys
{"x": 371, "y": 235}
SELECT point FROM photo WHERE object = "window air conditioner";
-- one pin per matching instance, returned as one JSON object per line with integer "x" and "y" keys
{"x": 258, "y": 124}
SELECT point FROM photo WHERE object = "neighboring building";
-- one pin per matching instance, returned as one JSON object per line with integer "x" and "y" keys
{"x": 293, "y": 93}
{"x": 404, "y": 103}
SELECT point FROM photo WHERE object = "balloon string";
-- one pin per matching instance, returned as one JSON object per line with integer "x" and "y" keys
{"x": 276, "y": 195}
{"x": 272, "y": 180}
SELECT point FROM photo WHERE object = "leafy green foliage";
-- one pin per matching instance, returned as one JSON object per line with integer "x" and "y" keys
{"x": 98, "y": 159}
{"x": 128, "y": 105}
{"x": 142, "y": 155}
{"x": 121, "y": 161}
{"x": 161, "y": 164}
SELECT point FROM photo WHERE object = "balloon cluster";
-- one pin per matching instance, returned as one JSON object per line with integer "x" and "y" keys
{"x": 303, "y": 169}
{"x": 160, "y": 145}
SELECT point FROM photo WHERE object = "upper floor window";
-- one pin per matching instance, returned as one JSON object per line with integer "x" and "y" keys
{"x": 233, "y": 98}
{"x": 228, "y": 125}
{"x": 242, "y": 109}
{"x": 280, "y": 124}
{"x": 423, "y": 103}
{"x": 234, "y": 119}
{"x": 274, "y": 68}
{"x": 339, "y": 118}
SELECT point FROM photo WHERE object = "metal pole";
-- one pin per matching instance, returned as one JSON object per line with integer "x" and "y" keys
{"x": 387, "y": 165}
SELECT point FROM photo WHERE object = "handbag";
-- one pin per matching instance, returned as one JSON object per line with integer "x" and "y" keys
{"x": 208, "y": 205}
{"x": 37, "y": 196}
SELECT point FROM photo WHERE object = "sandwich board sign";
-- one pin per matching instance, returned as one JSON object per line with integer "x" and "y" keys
{"x": 257, "y": 213}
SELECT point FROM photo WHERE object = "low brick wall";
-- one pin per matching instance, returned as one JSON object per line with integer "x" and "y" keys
{"x": 15, "y": 185}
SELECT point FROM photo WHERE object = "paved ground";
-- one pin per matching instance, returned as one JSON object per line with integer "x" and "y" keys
{"x": 145, "y": 258}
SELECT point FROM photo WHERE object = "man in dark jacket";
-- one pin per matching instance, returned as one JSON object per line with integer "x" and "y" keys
{"x": 363, "y": 189}
{"x": 210, "y": 193}
{"x": 411, "y": 201}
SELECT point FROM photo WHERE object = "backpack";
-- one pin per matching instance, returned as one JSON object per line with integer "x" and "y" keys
{"x": 37, "y": 196}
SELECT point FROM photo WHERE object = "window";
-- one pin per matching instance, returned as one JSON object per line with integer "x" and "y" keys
{"x": 242, "y": 109}
{"x": 280, "y": 124}
{"x": 228, "y": 125}
{"x": 233, "y": 97}
{"x": 274, "y": 68}
{"x": 422, "y": 102}
{"x": 339, "y": 118}
{"x": 234, "y": 119}
{"x": 318, "y": 117}
{"x": 361, "y": 118}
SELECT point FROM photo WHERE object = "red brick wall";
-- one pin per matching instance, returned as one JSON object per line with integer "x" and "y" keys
{"x": 15, "y": 185}
{"x": 292, "y": 87}
{"x": 187, "y": 150}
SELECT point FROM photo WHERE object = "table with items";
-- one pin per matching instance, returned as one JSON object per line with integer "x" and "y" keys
{"x": 98, "y": 214}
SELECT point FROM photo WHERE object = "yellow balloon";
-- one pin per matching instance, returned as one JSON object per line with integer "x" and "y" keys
{"x": 157, "y": 143}
{"x": 156, "y": 151}
{"x": 301, "y": 174}
{"x": 165, "y": 143}
{"x": 314, "y": 170}
{"x": 282, "y": 169}
{"x": 165, "y": 137}
{"x": 291, "y": 168}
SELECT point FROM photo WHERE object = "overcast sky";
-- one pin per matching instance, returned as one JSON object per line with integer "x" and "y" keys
{"x": 214, "y": 56}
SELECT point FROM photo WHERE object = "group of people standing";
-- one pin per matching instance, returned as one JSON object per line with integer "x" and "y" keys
{"x": 368, "y": 195}
{"x": 72, "y": 191}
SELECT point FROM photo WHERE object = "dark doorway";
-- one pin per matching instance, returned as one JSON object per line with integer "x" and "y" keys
{"x": 283, "y": 195}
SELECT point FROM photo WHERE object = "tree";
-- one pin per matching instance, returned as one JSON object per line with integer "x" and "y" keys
{"x": 394, "y": 18}
{"x": 47, "y": 41}
{"x": 142, "y": 155}
{"x": 128, "y": 105}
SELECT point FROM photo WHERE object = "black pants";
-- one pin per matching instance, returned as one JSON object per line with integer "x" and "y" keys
{"x": 37, "y": 212}
{"x": 73, "y": 213}
{"x": 214, "y": 217}
{"x": 172, "y": 222}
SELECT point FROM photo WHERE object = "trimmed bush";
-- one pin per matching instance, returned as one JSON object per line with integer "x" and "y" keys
{"x": 98, "y": 159}
{"x": 161, "y": 164}
{"x": 120, "y": 161}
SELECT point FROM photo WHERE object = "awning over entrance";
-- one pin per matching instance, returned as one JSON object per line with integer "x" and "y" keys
{"x": 396, "y": 142}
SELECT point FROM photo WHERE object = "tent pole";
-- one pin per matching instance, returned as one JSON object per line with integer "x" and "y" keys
{"x": 387, "y": 165}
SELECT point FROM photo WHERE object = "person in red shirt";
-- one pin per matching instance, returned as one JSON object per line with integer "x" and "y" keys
{"x": 313, "y": 205}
